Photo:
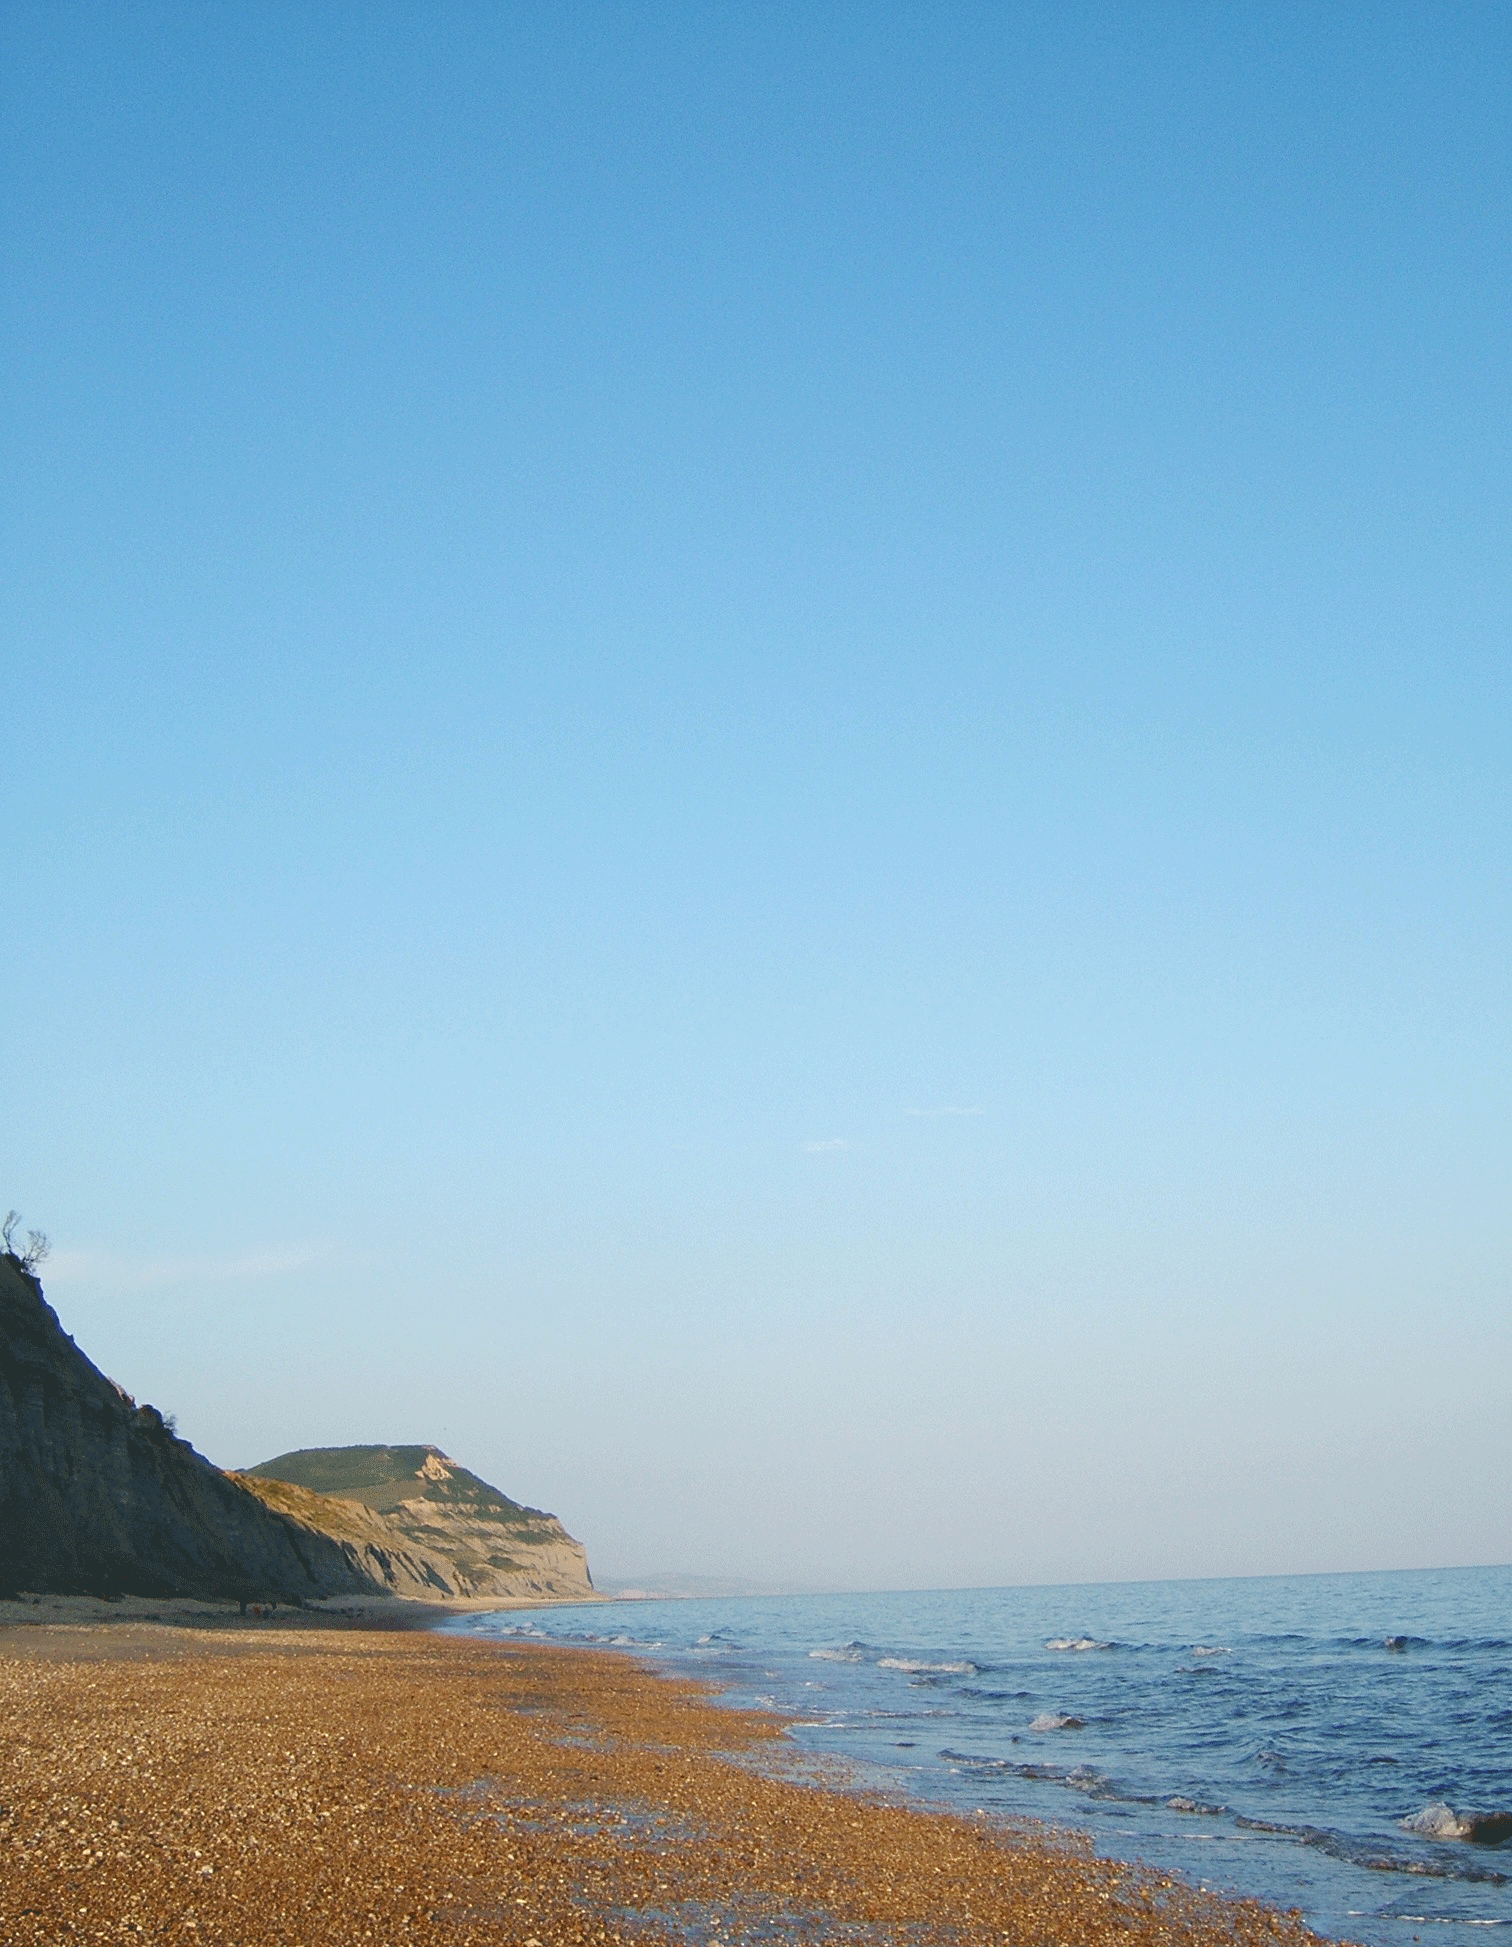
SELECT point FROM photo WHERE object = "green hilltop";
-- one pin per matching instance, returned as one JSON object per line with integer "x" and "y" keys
{"x": 384, "y": 1477}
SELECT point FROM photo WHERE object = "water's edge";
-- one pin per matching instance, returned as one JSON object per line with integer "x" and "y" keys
{"x": 1337, "y": 1744}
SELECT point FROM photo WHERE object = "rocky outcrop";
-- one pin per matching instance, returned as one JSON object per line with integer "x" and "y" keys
{"x": 99, "y": 1496}
{"x": 420, "y": 1524}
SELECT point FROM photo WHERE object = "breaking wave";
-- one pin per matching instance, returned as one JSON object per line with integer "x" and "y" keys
{"x": 1083, "y": 1778}
{"x": 917, "y": 1668}
{"x": 1362, "y": 1852}
{"x": 1441, "y": 1821}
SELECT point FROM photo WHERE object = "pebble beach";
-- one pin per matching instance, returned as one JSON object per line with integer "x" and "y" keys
{"x": 321, "y": 1784}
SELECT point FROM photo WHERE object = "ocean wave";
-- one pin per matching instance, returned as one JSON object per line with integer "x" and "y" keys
{"x": 1196, "y": 1807}
{"x": 1083, "y": 1778}
{"x": 621, "y": 1641}
{"x": 1054, "y": 1720}
{"x": 1360, "y": 1852}
{"x": 1436, "y": 1919}
{"x": 847, "y": 1653}
{"x": 1211, "y": 1649}
{"x": 917, "y": 1668}
{"x": 1076, "y": 1643}
{"x": 1441, "y": 1821}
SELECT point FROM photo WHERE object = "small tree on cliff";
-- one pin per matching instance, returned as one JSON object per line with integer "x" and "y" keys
{"x": 37, "y": 1245}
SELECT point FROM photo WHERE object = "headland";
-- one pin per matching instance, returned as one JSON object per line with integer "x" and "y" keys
{"x": 100, "y": 1497}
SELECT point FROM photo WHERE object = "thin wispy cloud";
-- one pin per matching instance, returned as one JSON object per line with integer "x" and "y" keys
{"x": 832, "y": 1142}
{"x": 82, "y": 1266}
{"x": 951, "y": 1109}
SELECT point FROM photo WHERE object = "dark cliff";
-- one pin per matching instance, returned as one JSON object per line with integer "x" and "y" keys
{"x": 99, "y": 1496}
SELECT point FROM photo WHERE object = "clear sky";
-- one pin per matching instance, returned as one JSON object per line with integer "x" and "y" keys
{"x": 759, "y": 761}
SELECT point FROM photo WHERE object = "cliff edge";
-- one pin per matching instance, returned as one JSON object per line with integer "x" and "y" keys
{"x": 98, "y": 1496}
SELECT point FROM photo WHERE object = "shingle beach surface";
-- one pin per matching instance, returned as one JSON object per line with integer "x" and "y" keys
{"x": 318, "y": 1786}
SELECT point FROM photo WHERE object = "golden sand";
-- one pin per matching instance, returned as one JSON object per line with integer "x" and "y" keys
{"x": 317, "y": 1786}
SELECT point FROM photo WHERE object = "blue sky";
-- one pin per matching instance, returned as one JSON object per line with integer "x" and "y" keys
{"x": 758, "y": 761}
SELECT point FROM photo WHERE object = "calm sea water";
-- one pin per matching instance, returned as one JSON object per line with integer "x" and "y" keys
{"x": 1323, "y": 1742}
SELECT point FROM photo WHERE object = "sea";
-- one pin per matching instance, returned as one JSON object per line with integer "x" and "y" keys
{"x": 1340, "y": 1744}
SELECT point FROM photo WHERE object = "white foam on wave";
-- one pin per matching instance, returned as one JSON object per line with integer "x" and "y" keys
{"x": 1434, "y": 1919}
{"x": 1441, "y": 1821}
{"x": 837, "y": 1656}
{"x": 1437, "y": 1821}
{"x": 1214, "y": 1649}
{"x": 912, "y": 1665}
{"x": 1076, "y": 1643}
{"x": 1055, "y": 1720}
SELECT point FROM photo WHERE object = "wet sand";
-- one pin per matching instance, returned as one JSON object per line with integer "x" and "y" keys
{"x": 316, "y": 1785}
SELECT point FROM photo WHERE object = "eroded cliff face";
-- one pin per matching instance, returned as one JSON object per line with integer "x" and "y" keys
{"x": 98, "y": 1495}
{"x": 422, "y": 1525}
{"x": 370, "y": 1542}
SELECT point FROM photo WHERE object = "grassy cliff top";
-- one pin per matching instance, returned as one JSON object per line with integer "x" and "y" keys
{"x": 382, "y": 1477}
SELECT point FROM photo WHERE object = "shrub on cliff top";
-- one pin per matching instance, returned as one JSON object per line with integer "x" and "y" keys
{"x": 37, "y": 1246}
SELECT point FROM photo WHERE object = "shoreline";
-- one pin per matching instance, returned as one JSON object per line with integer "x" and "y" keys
{"x": 306, "y": 1785}
{"x": 373, "y": 1612}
